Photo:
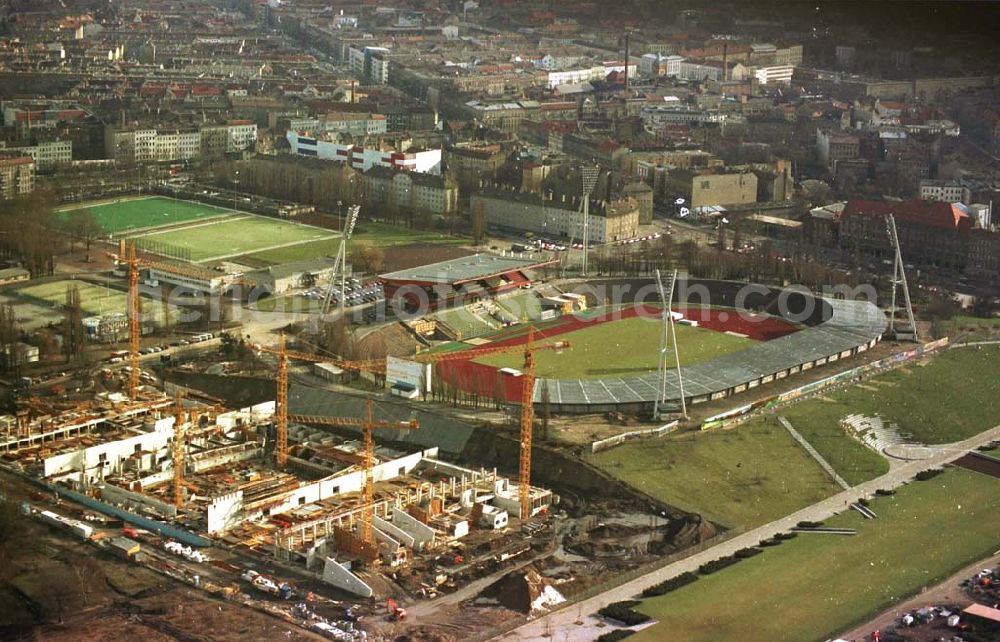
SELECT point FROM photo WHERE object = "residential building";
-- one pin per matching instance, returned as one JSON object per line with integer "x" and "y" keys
{"x": 151, "y": 145}
{"x": 557, "y": 218}
{"x": 350, "y": 123}
{"x": 930, "y": 233}
{"x": 946, "y": 191}
{"x": 17, "y": 176}
{"x": 417, "y": 191}
{"x": 473, "y": 164}
{"x": 836, "y": 146}
{"x": 370, "y": 63}
{"x": 46, "y": 154}
{"x": 984, "y": 256}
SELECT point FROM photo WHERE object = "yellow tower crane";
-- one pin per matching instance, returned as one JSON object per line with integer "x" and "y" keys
{"x": 179, "y": 418}
{"x": 126, "y": 256}
{"x": 281, "y": 396}
{"x": 367, "y": 424}
{"x": 527, "y": 399}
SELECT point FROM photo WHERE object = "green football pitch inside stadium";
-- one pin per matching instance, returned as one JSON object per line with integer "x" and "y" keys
{"x": 626, "y": 347}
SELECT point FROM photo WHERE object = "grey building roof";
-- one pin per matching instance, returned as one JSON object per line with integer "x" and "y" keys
{"x": 465, "y": 268}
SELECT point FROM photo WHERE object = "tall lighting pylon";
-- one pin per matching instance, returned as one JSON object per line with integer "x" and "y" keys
{"x": 899, "y": 281}
{"x": 668, "y": 345}
{"x": 588, "y": 174}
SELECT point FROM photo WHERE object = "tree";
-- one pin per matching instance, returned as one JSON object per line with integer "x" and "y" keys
{"x": 73, "y": 334}
{"x": 478, "y": 223}
{"x": 367, "y": 258}
{"x": 546, "y": 409}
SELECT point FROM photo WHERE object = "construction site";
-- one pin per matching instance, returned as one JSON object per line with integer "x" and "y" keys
{"x": 348, "y": 495}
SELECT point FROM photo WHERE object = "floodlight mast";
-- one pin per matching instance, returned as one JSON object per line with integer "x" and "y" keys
{"x": 588, "y": 175}
{"x": 668, "y": 344}
{"x": 340, "y": 263}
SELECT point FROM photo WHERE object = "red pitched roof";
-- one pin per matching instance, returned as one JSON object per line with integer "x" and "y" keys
{"x": 915, "y": 212}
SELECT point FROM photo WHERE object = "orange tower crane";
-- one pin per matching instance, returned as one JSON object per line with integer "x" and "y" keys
{"x": 367, "y": 424}
{"x": 281, "y": 396}
{"x": 126, "y": 256}
{"x": 527, "y": 400}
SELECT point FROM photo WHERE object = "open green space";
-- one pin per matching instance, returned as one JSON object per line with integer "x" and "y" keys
{"x": 622, "y": 348}
{"x": 852, "y": 460}
{"x": 946, "y": 398}
{"x": 96, "y": 300}
{"x": 144, "y": 213}
{"x": 379, "y": 234}
{"x": 237, "y": 236}
{"x": 816, "y": 586}
{"x": 385, "y": 235}
{"x": 746, "y": 476}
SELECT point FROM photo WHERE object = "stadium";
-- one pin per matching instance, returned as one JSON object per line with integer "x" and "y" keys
{"x": 731, "y": 338}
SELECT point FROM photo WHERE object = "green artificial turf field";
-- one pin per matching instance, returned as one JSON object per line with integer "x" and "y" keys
{"x": 146, "y": 213}
{"x": 233, "y": 237}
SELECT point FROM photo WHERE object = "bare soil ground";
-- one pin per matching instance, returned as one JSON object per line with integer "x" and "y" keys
{"x": 55, "y": 589}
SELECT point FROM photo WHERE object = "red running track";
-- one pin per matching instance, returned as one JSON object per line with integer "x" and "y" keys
{"x": 487, "y": 381}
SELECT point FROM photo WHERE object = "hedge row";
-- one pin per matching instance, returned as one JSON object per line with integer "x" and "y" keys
{"x": 672, "y": 584}
{"x": 614, "y": 636}
{"x": 624, "y": 613}
{"x": 924, "y": 475}
{"x": 717, "y": 565}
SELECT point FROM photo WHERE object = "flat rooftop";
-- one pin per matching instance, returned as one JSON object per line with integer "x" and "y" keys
{"x": 466, "y": 268}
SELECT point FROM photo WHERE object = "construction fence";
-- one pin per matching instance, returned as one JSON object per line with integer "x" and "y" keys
{"x": 617, "y": 440}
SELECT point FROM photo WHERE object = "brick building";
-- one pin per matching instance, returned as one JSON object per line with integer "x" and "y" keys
{"x": 930, "y": 233}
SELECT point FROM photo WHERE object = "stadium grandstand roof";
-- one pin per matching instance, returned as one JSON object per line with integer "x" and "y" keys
{"x": 467, "y": 268}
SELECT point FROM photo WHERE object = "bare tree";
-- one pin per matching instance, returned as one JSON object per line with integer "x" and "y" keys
{"x": 73, "y": 334}
{"x": 478, "y": 223}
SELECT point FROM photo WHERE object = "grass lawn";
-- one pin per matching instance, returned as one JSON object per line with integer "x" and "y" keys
{"x": 148, "y": 213}
{"x": 238, "y": 236}
{"x": 95, "y": 299}
{"x": 622, "y": 348}
{"x": 299, "y": 252}
{"x": 814, "y": 587}
{"x": 852, "y": 460}
{"x": 378, "y": 234}
{"x": 385, "y": 235}
{"x": 948, "y": 398}
{"x": 288, "y": 303}
{"x": 747, "y": 476}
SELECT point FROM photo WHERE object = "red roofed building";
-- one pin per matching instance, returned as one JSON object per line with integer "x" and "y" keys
{"x": 930, "y": 233}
